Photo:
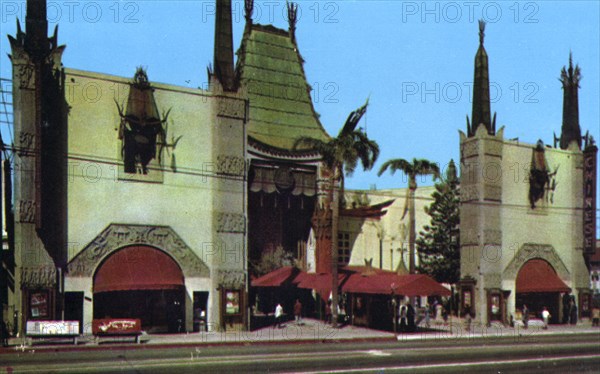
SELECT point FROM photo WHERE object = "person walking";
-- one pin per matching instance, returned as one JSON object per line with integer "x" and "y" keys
{"x": 525, "y": 316}
{"x": 545, "y": 317}
{"x": 278, "y": 315}
{"x": 437, "y": 308}
{"x": 328, "y": 312}
{"x": 410, "y": 317}
{"x": 468, "y": 317}
{"x": 427, "y": 315}
{"x": 298, "y": 311}
{"x": 574, "y": 314}
{"x": 403, "y": 317}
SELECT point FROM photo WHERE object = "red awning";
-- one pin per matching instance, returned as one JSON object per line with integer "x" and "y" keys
{"x": 421, "y": 285}
{"x": 386, "y": 283}
{"x": 276, "y": 278}
{"x": 138, "y": 268}
{"x": 373, "y": 284}
{"x": 538, "y": 276}
{"x": 321, "y": 282}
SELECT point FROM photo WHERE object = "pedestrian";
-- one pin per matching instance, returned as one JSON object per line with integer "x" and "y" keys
{"x": 546, "y": 317}
{"x": 278, "y": 316}
{"x": 403, "y": 317}
{"x": 596, "y": 316}
{"x": 525, "y": 316}
{"x": 574, "y": 314}
{"x": 427, "y": 315}
{"x": 410, "y": 317}
{"x": 298, "y": 311}
{"x": 446, "y": 311}
{"x": 437, "y": 307}
{"x": 468, "y": 317}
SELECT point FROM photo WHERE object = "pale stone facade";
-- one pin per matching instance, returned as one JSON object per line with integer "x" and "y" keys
{"x": 500, "y": 231}
{"x": 76, "y": 205}
{"x": 385, "y": 239}
{"x": 524, "y": 204}
{"x": 193, "y": 210}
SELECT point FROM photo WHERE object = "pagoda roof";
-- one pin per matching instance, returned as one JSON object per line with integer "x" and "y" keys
{"x": 371, "y": 211}
{"x": 270, "y": 70}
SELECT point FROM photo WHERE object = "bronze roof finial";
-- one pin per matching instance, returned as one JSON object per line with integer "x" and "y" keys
{"x": 481, "y": 31}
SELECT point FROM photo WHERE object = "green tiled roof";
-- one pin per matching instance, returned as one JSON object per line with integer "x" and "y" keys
{"x": 270, "y": 69}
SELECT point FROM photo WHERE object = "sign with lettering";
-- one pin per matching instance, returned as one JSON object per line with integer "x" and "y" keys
{"x": 589, "y": 199}
{"x": 116, "y": 326}
{"x": 52, "y": 328}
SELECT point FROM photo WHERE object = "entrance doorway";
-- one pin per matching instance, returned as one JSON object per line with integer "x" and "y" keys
{"x": 144, "y": 283}
{"x": 74, "y": 308}
{"x": 537, "y": 301}
{"x": 539, "y": 286}
{"x": 161, "y": 311}
{"x": 200, "y": 311}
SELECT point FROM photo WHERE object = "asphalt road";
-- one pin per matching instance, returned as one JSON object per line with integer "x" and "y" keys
{"x": 575, "y": 353}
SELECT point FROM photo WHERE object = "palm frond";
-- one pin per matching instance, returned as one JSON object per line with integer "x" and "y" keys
{"x": 426, "y": 167}
{"x": 395, "y": 165}
{"x": 347, "y": 149}
{"x": 353, "y": 120}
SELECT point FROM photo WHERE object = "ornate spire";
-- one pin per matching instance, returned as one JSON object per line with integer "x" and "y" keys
{"x": 481, "y": 89}
{"x": 223, "y": 55}
{"x": 292, "y": 18}
{"x": 570, "y": 132}
{"x": 481, "y": 31}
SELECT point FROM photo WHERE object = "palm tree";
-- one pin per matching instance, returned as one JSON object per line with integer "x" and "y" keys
{"x": 417, "y": 167}
{"x": 341, "y": 154}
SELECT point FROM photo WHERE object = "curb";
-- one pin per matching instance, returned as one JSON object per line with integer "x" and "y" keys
{"x": 144, "y": 344}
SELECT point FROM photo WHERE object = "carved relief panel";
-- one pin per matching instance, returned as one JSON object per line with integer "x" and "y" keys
{"x": 118, "y": 236}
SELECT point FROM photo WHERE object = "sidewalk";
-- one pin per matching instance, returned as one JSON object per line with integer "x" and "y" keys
{"x": 311, "y": 330}
{"x": 456, "y": 328}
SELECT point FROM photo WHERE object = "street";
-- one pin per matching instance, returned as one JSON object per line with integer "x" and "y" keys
{"x": 534, "y": 353}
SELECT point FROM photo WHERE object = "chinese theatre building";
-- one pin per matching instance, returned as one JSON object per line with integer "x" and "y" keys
{"x": 130, "y": 204}
{"x": 527, "y": 212}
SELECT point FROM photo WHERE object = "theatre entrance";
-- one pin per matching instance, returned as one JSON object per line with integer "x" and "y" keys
{"x": 141, "y": 282}
{"x": 539, "y": 287}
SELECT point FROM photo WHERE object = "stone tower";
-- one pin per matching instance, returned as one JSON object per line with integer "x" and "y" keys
{"x": 40, "y": 156}
{"x": 481, "y": 194}
{"x": 521, "y": 238}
